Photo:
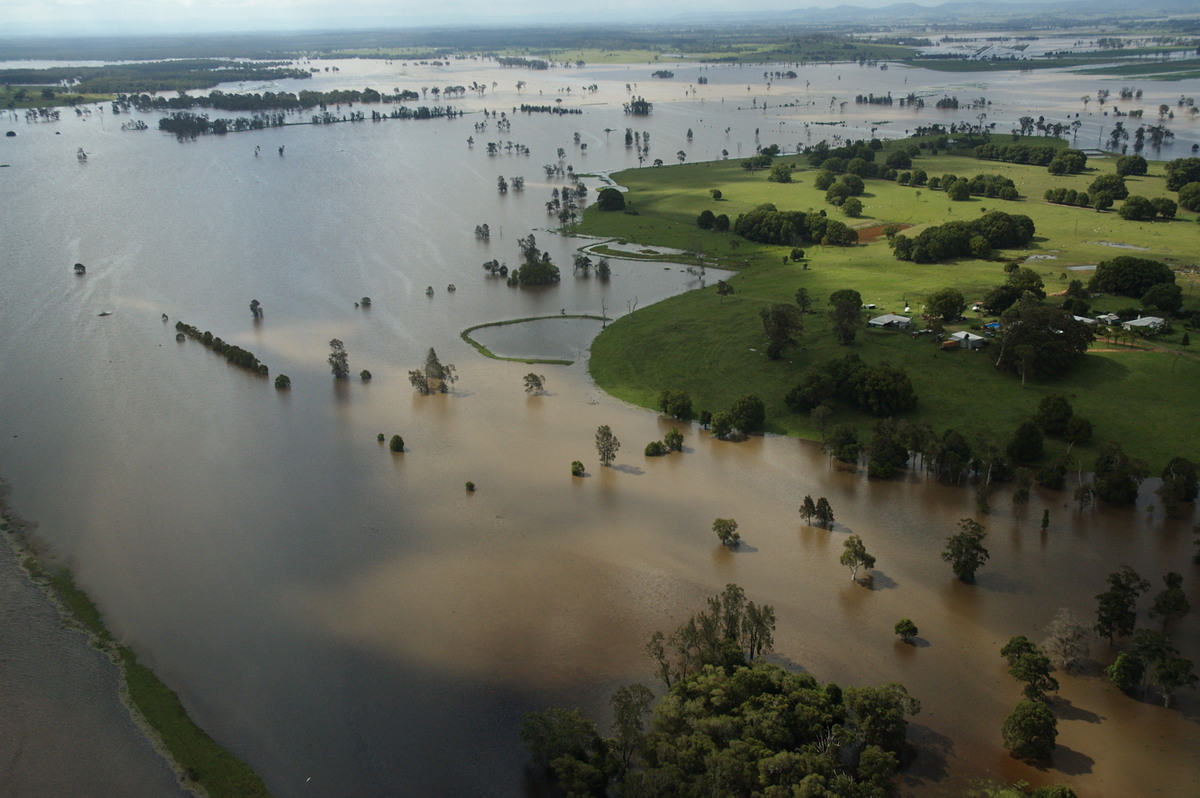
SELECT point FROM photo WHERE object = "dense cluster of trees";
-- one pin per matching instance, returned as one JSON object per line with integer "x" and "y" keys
{"x": 981, "y": 185}
{"x": 1189, "y": 196}
{"x": 638, "y": 106}
{"x": 1182, "y": 171}
{"x": 747, "y": 414}
{"x": 557, "y": 110}
{"x": 1065, "y": 162}
{"x": 233, "y": 354}
{"x": 1040, "y": 341}
{"x": 537, "y": 268}
{"x": 1126, "y": 275}
{"x": 880, "y": 389}
{"x": 1137, "y": 208}
{"x": 188, "y": 125}
{"x": 1152, "y": 657}
{"x": 709, "y": 221}
{"x": 518, "y": 61}
{"x": 976, "y": 238}
{"x": 767, "y": 224}
{"x": 729, "y": 724}
{"x": 676, "y": 404}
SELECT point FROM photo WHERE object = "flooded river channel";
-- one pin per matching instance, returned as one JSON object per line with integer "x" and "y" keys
{"x": 354, "y": 622}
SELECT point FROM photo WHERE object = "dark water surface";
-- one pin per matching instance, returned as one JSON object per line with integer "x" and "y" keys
{"x": 353, "y": 622}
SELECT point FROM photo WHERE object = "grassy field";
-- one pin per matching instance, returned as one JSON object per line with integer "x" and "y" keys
{"x": 712, "y": 347}
{"x": 33, "y": 97}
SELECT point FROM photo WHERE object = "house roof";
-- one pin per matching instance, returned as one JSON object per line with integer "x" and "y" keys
{"x": 963, "y": 335}
{"x": 889, "y": 318}
{"x": 1146, "y": 321}
{"x": 1084, "y": 319}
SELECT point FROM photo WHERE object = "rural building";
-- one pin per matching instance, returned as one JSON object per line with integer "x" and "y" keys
{"x": 968, "y": 340}
{"x": 890, "y": 321}
{"x": 1147, "y": 323}
{"x": 1084, "y": 319}
{"x": 1108, "y": 318}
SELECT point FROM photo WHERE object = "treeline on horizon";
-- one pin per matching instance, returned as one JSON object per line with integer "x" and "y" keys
{"x": 202, "y": 73}
{"x": 754, "y": 42}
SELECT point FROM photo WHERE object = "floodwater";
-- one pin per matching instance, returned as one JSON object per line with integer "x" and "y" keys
{"x": 63, "y": 730}
{"x": 355, "y": 622}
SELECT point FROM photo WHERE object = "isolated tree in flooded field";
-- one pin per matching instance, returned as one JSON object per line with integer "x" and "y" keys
{"x": 808, "y": 509}
{"x": 855, "y": 556}
{"x": 1067, "y": 640}
{"x": 535, "y": 383}
{"x": 435, "y": 377}
{"x": 726, "y": 529}
{"x": 964, "y": 551}
{"x": 339, "y": 361}
{"x": 1172, "y": 602}
{"x": 1030, "y": 731}
{"x": 606, "y": 445}
{"x": 906, "y": 629}
{"x": 823, "y": 513}
{"x": 1116, "y": 611}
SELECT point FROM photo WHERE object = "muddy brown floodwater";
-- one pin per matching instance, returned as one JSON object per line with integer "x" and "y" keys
{"x": 355, "y": 622}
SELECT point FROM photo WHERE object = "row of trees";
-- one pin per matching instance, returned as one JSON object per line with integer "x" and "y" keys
{"x": 767, "y": 224}
{"x": 1059, "y": 161}
{"x": 232, "y": 354}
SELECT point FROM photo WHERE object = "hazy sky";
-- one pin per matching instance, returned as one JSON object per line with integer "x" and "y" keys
{"x": 108, "y": 16}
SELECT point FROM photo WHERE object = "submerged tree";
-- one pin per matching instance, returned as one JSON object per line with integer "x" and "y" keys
{"x": 606, "y": 445}
{"x": 1066, "y": 639}
{"x": 855, "y": 556}
{"x": 726, "y": 529}
{"x": 1116, "y": 611}
{"x": 1030, "y": 731}
{"x": 535, "y": 383}
{"x": 964, "y": 551}
{"x": 823, "y": 513}
{"x": 339, "y": 361}
{"x": 906, "y": 629}
{"x": 435, "y": 377}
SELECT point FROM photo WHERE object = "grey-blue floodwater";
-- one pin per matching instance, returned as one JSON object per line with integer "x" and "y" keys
{"x": 353, "y": 622}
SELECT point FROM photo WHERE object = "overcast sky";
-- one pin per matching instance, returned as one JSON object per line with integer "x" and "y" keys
{"x": 131, "y": 16}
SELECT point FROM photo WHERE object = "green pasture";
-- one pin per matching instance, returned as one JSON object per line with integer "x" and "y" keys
{"x": 713, "y": 347}
{"x": 12, "y": 97}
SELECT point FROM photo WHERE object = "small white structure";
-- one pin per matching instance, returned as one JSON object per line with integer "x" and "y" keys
{"x": 1147, "y": 323}
{"x": 1108, "y": 318}
{"x": 967, "y": 340}
{"x": 890, "y": 321}
{"x": 1084, "y": 319}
